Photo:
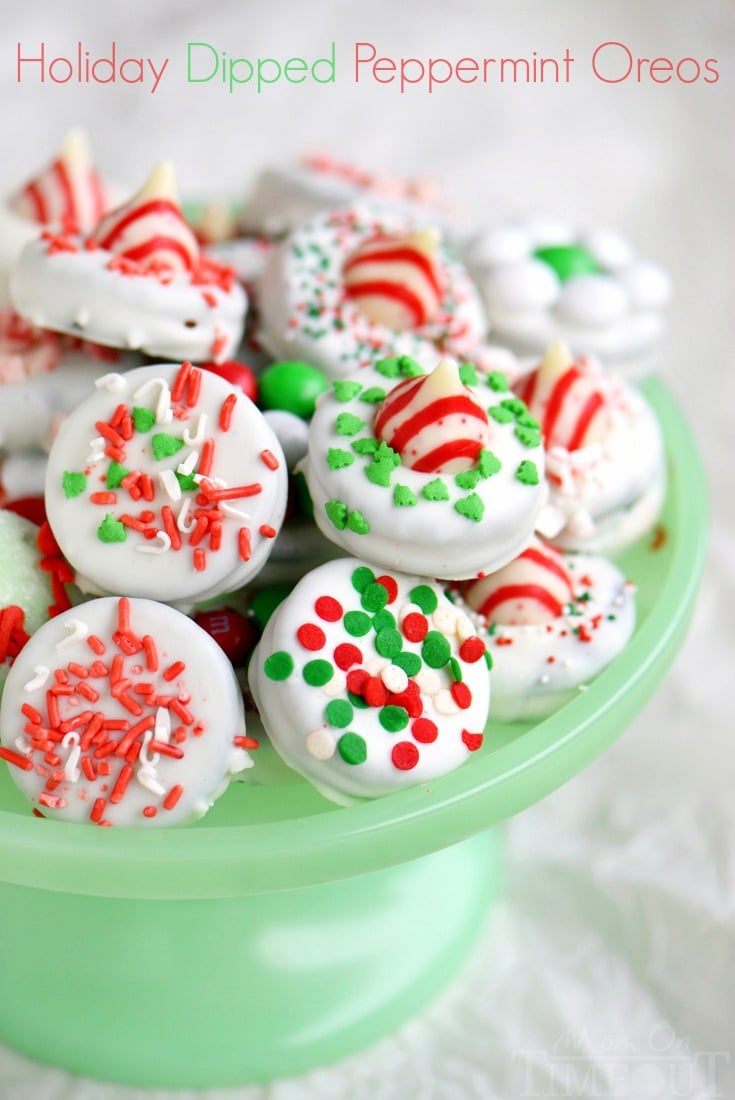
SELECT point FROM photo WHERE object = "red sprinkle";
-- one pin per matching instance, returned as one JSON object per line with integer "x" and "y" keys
{"x": 98, "y": 809}
{"x": 151, "y": 653}
{"x": 375, "y": 693}
{"x": 267, "y": 531}
{"x": 461, "y": 694}
{"x": 103, "y": 498}
{"x": 270, "y": 460}
{"x": 200, "y": 560}
{"x": 311, "y": 636}
{"x": 180, "y": 382}
{"x": 150, "y": 811}
{"x": 121, "y": 784}
{"x": 405, "y": 756}
{"x": 16, "y": 759}
{"x": 225, "y": 415}
{"x": 389, "y": 585}
{"x": 346, "y": 655}
{"x": 173, "y": 797}
{"x": 415, "y": 627}
{"x": 174, "y": 670}
{"x": 207, "y": 458}
{"x": 473, "y": 741}
{"x": 356, "y": 680}
{"x": 329, "y": 609}
{"x": 245, "y": 742}
{"x": 243, "y": 543}
{"x": 424, "y": 730}
{"x": 472, "y": 649}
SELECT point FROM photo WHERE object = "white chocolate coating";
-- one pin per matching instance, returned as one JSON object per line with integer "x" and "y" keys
{"x": 196, "y": 713}
{"x": 302, "y": 720}
{"x": 537, "y": 668}
{"x": 396, "y": 524}
{"x": 78, "y": 293}
{"x": 617, "y": 312}
{"x": 141, "y": 565}
{"x": 305, "y": 314}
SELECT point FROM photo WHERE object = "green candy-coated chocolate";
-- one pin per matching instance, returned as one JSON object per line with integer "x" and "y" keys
{"x": 568, "y": 260}
{"x": 292, "y": 387}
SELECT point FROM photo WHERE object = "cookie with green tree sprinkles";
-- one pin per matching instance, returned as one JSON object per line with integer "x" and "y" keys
{"x": 378, "y": 682}
{"x": 73, "y": 483}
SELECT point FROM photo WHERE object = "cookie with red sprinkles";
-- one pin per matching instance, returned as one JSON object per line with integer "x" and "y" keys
{"x": 123, "y": 712}
{"x": 368, "y": 681}
{"x": 26, "y": 592}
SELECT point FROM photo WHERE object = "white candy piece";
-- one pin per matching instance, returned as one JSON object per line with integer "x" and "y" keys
{"x": 522, "y": 285}
{"x": 592, "y": 300}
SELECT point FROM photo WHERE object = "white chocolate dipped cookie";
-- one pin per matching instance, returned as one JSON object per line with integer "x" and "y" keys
{"x": 367, "y": 684}
{"x": 440, "y": 473}
{"x": 605, "y": 460}
{"x": 352, "y": 285}
{"x": 542, "y": 281}
{"x": 123, "y": 712}
{"x": 551, "y": 623}
{"x": 167, "y": 483}
{"x": 138, "y": 281}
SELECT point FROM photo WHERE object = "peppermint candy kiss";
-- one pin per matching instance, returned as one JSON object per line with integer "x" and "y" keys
{"x": 66, "y": 193}
{"x": 434, "y": 422}
{"x": 150, "y": 228}
{"x": 566, "y": 399}
{"x": 531, "y": 589}
{"x": 395, "y": 281}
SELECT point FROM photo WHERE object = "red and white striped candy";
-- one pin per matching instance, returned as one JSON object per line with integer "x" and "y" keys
{"x": 567, "y": 400}
{"x": 531, "y": 589}
{"x": 433, "y": 422}
{"x": 395, "y": 281}
{"x": 150, "y": 229}
{"x": 67, "y": 193}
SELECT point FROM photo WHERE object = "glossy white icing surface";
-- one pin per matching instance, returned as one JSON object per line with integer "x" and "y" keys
{"x": 150, "y": 566}
{"x": 189, "y": 710}
{"x": 78, "y": 293}
{"x": 301, "y": 718}
{"x": 406, "y": 529}
{"x": 305, "y": 314}
{"x": 538, "y": 667}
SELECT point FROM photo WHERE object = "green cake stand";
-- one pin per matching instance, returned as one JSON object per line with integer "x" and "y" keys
{"x": 284, "y": 932}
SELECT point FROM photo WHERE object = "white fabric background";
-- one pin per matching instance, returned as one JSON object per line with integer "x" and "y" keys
{"x": 609, "y": 968}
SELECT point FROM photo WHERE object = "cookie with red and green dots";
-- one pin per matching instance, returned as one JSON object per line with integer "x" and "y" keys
{"x": 368, "y": 681}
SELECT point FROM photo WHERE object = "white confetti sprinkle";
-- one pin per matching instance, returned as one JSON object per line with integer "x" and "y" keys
{"x": 444, "y": 703}
{"x": 320, "y": 744}
{"x": 428, "y": 681}
{"x": 77, "y": 632}
{"x": 394, "y": 678}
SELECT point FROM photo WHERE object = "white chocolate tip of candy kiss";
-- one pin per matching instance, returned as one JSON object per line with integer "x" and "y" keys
{"x": 557, "y": 358}
{"x": 161, "y": 184}
{"x": 75, "y": 151}
{"x": 532, "y": 589}
{"x": 441, "y": 429}
{"x": 395, "y": 282}
{"x": 425, "y": 240}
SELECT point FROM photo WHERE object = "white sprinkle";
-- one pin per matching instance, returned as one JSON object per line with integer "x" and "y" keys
{"x": 428, "y": 681}
{"x": 543, "y": 679}
{"x": 41, "y": 676}
{"x": 149, "y": 760}
{"x": 161, "y": 544}
{"x": 444, "y": 702}
{"x": 147, "y": 777}
{"x": 112, "y": 382}
{"x": 162, "y": 728}
{"x": 239, "y": 761}
{"x": 164, "y": 414}
{"x": 409, "y": 609}
{"x": 71, "y": 767}
{"x": 394, "y": 678}
{"x": 335, "y": 686}
{"x": 464, "y": 627}
{"x": 78, "y": 631}
{"x": 375, "y": 665}
{"x": 170, "y": 484}
{"x": 230, "y": 510}
{"x": 188, "y": 464}
{"x": 199, "y": 433}
{"x": 22, "y": 744}
{"x": 182, "y": 520}
{"x": 445, "y": 619}
{"x": 320, "y": 744}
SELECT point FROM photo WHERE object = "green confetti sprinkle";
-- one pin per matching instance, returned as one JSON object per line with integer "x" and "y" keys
{"x": 336, "y": 513}
{"x": 472, "y": 507}
{"x": 435, "y": 490}
{"x": 115, "y": 475}
{"x": 488, "y": 659}
{"x": 111, "y": 530}
{"x": 164, "y": 445}
{"x": 528, "y": 436}
{"x": 186, "y": 482}
{"x": 337, "y": 458}
{"x": 373, "y": 396}
{"x": 388, "y": 642}
{"x": 349, "y": 424}
{"x": 425, "y": 598}
{"x": 385, "y": 460}
{"x": 456, "y": 669}
{"x": 374, "y": 597}
{"x": 501, "y": 415}
{"x": 352, "y": 748}
{"x": 435, "y": 649}
{"x": 390, "y": 367}
{"x": 143, "y": 419}
{"x": 497, "y": 381}
{"x": 345, "y": 390}
{"x": 468, "y": 479}
{"x": 409, "y": 662}
{"x": 404, "y": 497}
{"x": 409, "y": 368}
{"x": 514, "y": 405}
{"x": 366, "y": 445}
{"x": 361, "y": 578}
{"x": 357, "y": 701}
{"x": 278, "y": 666}
{"x": 468, "y": 374}
{"x": 527, "y": 473}
{"x": 527, "y": 421}
{"x": 383, "y": 620}
{"x": 488, "y": 463}
{"x": 339, "y": 713}
{"x": 357, "y": 623}
{"x": 357, "y": 523}
{"x": 318, "y": 672}
{"x": 73, "y": 484}
{"x": 393, "y": 718}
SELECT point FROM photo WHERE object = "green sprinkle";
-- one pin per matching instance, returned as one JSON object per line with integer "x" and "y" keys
{"x": 361, "y": 578}
{"x": 435, "y": 649}
{"x": 383, "y": 620}
{"x": 384, "y": 462}
{"x": 468, "y": 479}
{"x": 374, "y": 597}
{"x": 339, "y": 713}
{"x": 278, "y": 666}
{"x": 527, "y": 473}
{"x": 337, "y": 458}
{"x": 409, "y": 662}
{"x": 336, "y": 513}
{"x": 527, "y": 421}
{"x": 357, "y": 623}
{"x": 585, "y": 597}
{"x": 409, "y": 368}
{"x": 352, "y": 748}
{"x": 366, "y": 445}
{"x": 115, "y": 475}
{"x": 501, "y": 415}
{"x": 73, "y": 484}
{"x": 529, "y": 437}
{"x": 388, "y": 642}
{"x": 488, "y": 463}
{"x": 393, "y": 718}
{"x": 404, "y": 497}
{"x": 345, "y": 390}
{"x": 349, "y": 424}
{"x": 515, "y": 406}
{"x": 356, "y": 522}
{"x": 468, "y": 374}
{"x": 472, "y": 507}
{"x": 357, "y": 700}
{"x": 390, "y": 367}
{"x": 424, "y": 597}
{"x": 435, "y": 490}
{"x": 186, "y": 482}
{"x": 497, "y": 381}
{"x": 373, "y": 396}
{"x": 163, "y": 445}
{"x": 111, "y": 530}
{"x": 488, "y": 659}
{"x": 143, "y": 419}
{"x": 612, "y": 618}
{"x": 316, "y": 673}
{"x": 456, "y": 669}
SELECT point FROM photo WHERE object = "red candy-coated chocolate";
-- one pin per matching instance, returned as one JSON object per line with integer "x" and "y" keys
{"x": 31, "y": 508}
{"x": 237, "y": 374}
{"x": 232, "y": 632}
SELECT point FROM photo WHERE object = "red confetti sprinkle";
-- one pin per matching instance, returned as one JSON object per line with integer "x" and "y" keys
{"x": 329, "y": 609}
{"x": 415, "y": 627}
{"x": 473, "y": 741}
{"x": 405, "y": 756}
{"x": 346, "y": 655}
{"x": 356, "y": 680}
{"x": 311, "y": 636}
{"x": 472, "y": 649}
{"x": 424, "y": 730}
{"x": 389, "y": 585}
{"x": 375, "y": 693}
{"x": 461, "y": 694}
{"x": 149, "y": 811}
